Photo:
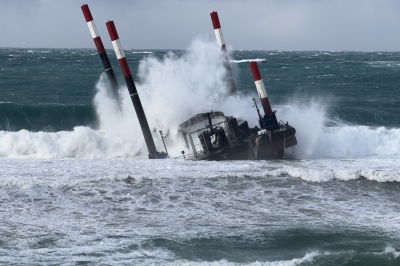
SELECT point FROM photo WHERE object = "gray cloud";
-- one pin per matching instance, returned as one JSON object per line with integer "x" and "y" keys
{"x": 367, "y": 25}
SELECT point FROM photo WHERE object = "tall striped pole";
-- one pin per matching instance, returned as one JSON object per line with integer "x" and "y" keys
{"x": 220, "y": 40}
{"x": 261, "y": 88}
{"x": 132, "y": 89}
{"x": 102, "y": 53}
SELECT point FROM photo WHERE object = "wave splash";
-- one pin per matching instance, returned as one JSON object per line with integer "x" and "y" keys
{"x": 173, "y": 89}
{"x": 308, "y": 258}
{"x": 317, "y": 140}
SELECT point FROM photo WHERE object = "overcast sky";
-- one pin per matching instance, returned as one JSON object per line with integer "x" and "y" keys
{"x": 362, "y": 25}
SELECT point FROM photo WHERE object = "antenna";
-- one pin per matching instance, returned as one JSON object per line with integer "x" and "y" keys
{"x": 162, "y": 138}
{"x": 258, "y": 111}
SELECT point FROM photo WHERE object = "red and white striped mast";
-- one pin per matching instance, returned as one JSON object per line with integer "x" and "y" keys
{"x": 221, "y": 42}
{"x": 262, "y": 93}
{"x": 102, "y": 52}
{"x": 153, "y": 154}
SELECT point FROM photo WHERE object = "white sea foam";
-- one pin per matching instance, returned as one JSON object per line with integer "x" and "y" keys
{"x": 23, "y": 173}
{"x": 309, "y": 257}
{"x": 82, "y": 142}
{"x": 390, "y": 250}
{"x": 247, "y": 60}
{"x": 142, "y": 52}
{"x": 337, "y": 171}
{"x": 384, "y": 64}
{"x": 122, "y": 207}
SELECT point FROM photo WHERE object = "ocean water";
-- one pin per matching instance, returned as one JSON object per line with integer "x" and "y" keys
{"x": 76, "y": 187}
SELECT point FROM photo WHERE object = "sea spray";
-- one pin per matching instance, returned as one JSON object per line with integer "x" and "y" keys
{"x": 179, "y": 85}
{"x": 172, "y": 90}
{"x": 308, "y": 120}
{"x": 319, "y": 137}
{"x": 120, "y": 125}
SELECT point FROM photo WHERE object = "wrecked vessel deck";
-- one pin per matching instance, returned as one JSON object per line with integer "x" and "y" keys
{"x": 214, "y": 136}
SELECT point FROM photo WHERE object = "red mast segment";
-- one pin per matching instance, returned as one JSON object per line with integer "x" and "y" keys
{"x": 102, "y": 52}
{"x": 153, "y": 154}
{"x": 262, "y": 93}
{"x": 220, "y": 40}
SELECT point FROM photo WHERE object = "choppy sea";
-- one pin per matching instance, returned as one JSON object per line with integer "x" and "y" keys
{"x": 76, "y": 187}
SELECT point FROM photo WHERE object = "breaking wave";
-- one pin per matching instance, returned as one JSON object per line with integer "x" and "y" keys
{"x": 341, "y": 173}
{"x": 388, "y": 257}
{"x": 247, "y": 60}
{"x": 306, "y": 260}
{"x": 173, "y": 89}
{"x": 316, "y": 140}
{"x": 142, "y": 52}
